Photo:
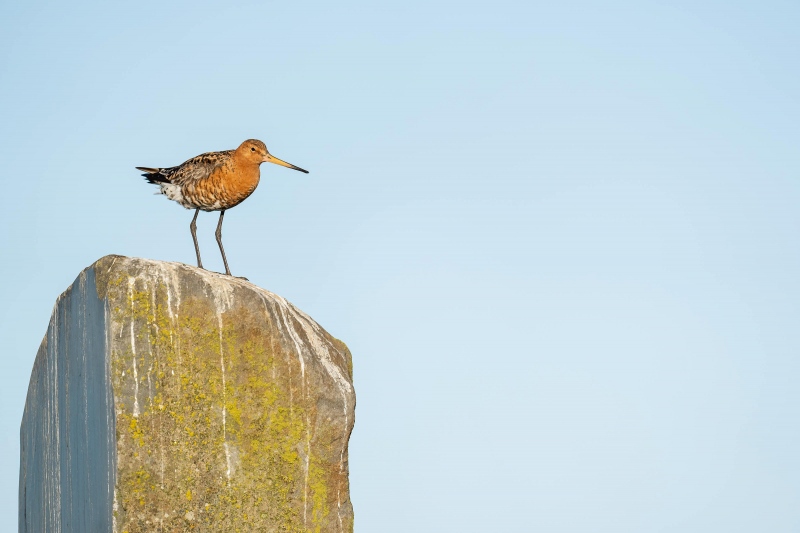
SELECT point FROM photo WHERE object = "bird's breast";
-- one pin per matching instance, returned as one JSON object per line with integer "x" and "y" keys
{"x": 242, "y": 183}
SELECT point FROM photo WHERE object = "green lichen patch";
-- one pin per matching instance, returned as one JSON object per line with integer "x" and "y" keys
{"x": 221, "y": 426}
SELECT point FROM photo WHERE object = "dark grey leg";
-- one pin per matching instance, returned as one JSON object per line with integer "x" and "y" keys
{"x": 193, "y": 227}
{"x": 219, "y": 241}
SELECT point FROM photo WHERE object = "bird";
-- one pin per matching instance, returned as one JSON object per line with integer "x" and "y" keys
{"x": 214, "y": 181}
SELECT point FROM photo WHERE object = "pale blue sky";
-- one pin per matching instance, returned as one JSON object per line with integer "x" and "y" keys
{"x": 560, "y": 238}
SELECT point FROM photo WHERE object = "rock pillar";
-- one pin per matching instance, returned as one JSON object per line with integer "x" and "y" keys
{"x": 169, "y": 398}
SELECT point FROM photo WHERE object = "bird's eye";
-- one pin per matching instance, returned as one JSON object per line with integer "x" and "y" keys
{"x": 252, "y": 149}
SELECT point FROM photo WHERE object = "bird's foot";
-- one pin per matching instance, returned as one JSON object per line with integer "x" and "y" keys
{"x": 228, "y": 273}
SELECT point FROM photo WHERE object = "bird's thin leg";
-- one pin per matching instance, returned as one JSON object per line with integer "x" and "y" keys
{"x": 193, "y": 227}
{"x": 219, "y": 241}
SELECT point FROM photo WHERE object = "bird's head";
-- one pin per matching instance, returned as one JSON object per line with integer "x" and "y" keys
{"x": 256, "y": 152}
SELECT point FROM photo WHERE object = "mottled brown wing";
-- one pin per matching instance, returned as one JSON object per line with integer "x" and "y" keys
{"x": 196, "y": 168}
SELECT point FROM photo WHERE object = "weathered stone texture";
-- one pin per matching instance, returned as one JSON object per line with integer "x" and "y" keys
{"x": 168, "y": 398}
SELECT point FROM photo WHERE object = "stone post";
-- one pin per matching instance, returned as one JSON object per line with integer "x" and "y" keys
{"x": 168, "y": 398}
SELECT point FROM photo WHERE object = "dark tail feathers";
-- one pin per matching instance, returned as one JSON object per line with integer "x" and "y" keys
{"x": 153, "y": 175}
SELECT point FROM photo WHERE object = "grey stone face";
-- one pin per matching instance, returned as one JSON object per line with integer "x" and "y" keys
{"x": 169, "y": 398}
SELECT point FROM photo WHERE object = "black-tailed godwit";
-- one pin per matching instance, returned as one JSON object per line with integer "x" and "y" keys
{"x": 215, "y": 181}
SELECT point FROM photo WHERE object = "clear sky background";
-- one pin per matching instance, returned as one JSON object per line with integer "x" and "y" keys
{"x": 560, "y": 238}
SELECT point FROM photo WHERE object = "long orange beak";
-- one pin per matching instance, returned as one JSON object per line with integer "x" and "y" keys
{"x": 269, "y": 158}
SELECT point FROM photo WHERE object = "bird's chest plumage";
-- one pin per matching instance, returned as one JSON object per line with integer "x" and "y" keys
{"x": 224, "y": 188}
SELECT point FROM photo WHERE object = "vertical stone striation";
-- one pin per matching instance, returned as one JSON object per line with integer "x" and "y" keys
{"x": 169, "y": 398}
{"x": 67, "y": 437}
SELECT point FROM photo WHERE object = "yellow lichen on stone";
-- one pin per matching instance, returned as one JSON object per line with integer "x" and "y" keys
{"x": 225, "y": 411}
